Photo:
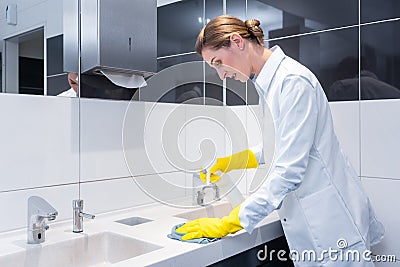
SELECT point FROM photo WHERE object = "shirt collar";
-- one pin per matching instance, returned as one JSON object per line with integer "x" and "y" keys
{"x": 263, "y": 80}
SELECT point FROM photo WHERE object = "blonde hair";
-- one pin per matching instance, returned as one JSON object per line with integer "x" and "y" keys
{"x": 217, "y": 32}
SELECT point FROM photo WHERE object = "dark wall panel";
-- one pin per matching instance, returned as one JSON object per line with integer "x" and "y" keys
{"x": 380, "y": 61}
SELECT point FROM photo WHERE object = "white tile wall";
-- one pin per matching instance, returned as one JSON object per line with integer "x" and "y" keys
{"x": 109, "y": 195}
{"x": 346, "y": 122}
{"x": 205, "y": 135}
{"x": 380, "y": 160}
{"x": 164, "y": 187}
{"x": 130, "y": 133}
{"x": 41, "y": 146}
{"x": 143, "y": 138}
{"x": 14, "y": 204}
{"x": 380, "y": 144}
{"x": 236, "y": 136}
{"x": 254, "y": 122}
{"x": 384, "y": 196}
{"x": 237, "y": 139}
{"x": 164, "y": 137}
{"x": 114, "y": 194}
{"x": 39, "y": 141}
{"x": 101, "y": 138}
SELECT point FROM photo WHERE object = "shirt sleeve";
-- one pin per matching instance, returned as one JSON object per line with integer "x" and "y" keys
{"x": 295, "y": 130}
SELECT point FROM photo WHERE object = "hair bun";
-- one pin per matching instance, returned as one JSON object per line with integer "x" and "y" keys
{"x": 252, "y": 24}
{"x": 253, "y": 27}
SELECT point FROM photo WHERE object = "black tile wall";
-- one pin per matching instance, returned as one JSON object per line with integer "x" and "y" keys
{"x": 236, "y": 8}
{"x": 214, "y": 94}
{"x": 324, "y": 54}
{"x": 235, "y": 93}
{"x": 213, "y": 8}
{"x": 163, "y": 63}
{"x": 191, "y": 92}
{"x": 55, "y": 55}
{"x": 252, "y": 95}
{"x": 57, "y": 84}
{"x": 380, "y": 61}
{"x": 213, "y": 87}
{"x": 1, "y": 76}
{"x": 57, "y": 80}
{"x": 374, "y": 10}
{"x": 332, "y": 52}
{"x": 178, "y": 25}
{"x": 299, "y": 16}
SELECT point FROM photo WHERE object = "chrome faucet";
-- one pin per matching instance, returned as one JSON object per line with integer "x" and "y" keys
{"x": 201, "y": 193}
{"x": 78, "y": 215}
{"x": 38, "y": 211}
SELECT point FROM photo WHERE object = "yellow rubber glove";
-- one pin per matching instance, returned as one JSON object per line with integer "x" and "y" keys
{"x": 241, "y": 160}
{"x": 212, "y": 227}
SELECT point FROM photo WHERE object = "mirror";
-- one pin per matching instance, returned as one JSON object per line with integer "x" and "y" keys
{"x": 31, "y": 50}
{"x": 23, "y": 63}
{"x": 33, "y": 57}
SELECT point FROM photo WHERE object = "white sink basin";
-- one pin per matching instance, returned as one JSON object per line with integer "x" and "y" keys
{"x": 100, "y": 249}
{"x": 215, "y": 210}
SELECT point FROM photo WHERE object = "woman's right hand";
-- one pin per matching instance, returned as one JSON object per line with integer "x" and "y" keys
{"x": 245, "y": 159}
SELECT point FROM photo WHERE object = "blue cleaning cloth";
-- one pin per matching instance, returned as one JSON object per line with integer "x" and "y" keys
{"x": 178, "y": 236}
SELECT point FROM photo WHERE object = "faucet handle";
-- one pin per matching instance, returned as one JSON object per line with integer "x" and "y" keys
{"x": 87, "y": 215}
{"x": 51, "y": 216}
{"x": 77, "y": 205}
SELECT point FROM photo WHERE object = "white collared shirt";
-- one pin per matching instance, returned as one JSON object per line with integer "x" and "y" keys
{"x": 69, "y": 93}
{"x": 316, "y": 191}
{"x": 288, "y": 89}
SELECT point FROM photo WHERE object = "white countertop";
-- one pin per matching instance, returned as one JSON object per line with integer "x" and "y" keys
{"x": 171, "y": 253}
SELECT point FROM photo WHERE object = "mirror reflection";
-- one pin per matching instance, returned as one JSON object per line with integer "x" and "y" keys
{"x": 35, "y": 57}
{"x": 23, "y": 61}
{"x": 73, "y": 82}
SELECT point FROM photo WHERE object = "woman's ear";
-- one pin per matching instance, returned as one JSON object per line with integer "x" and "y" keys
{"x": 237, "y": 40}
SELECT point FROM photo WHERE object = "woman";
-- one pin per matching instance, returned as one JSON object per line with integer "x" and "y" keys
{"x": 73, "y": 82}
{"x": 317, "y": 193}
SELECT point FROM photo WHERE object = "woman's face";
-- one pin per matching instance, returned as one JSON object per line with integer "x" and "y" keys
{"x": 229, "y": 62}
